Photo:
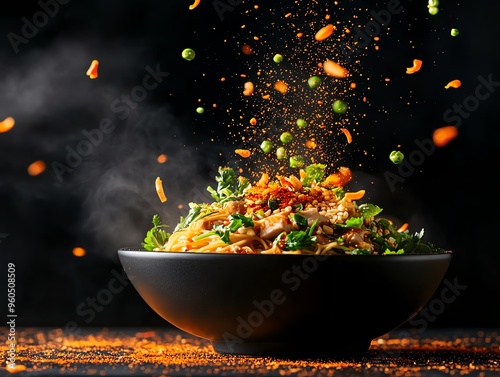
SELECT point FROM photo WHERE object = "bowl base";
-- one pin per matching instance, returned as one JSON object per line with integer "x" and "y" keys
{"x": 291, "y": 350}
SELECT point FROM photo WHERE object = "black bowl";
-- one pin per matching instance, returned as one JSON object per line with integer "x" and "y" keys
{"x": 285, "y": 305}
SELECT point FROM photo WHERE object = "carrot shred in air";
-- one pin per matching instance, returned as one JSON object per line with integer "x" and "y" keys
{"x": 334, "y": 69}
{"x": 444, "y": 135}
{"x": 36, "y": 168}
{"x": 245, "y": 153}
{"x": 248, "y": 88}
{"x": 195, "y": 4}
{"x": 324, "y": 32}
{"x": 339, "y": 179}
{"x": 417, "y": 64}
{"x": 7, "y": 124}
{"x": 354, "y": 195}
{"x": 159, "y": 190}
{"x": 347, "y": 134}
{"x": 402, "y": 228}
{"x": 453, "y": 84}
{"x": 92, "y": 71}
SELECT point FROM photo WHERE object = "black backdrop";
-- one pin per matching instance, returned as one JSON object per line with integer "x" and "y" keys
{"x": 105, "y": 200}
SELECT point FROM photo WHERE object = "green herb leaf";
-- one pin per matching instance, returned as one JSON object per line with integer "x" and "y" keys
{"x": 156, "y": 237}
{"x": 369, "y": 210}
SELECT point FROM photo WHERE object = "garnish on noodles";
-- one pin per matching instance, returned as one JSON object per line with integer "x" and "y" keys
{"x": 306, "y": 214}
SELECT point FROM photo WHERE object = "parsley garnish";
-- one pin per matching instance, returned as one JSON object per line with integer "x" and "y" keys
{"x": 156, "y": 236}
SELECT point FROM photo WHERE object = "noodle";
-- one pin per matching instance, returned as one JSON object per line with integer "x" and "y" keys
{"x": 309, "y": 215}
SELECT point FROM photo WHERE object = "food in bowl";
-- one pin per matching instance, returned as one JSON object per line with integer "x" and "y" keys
{"x": 309, "y": 214}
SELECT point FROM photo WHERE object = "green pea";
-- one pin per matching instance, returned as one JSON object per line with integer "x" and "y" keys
{"x": 433, "y": 3}
{"x": 301, "y": 123}
{"x": 188, "y": 54}
{"x": 314, "y": 82}
{"x": 278, "y": 58}
{"x": 339, "y": 106}
{"x": 454, "y": 32}
{"x": 200, "y": 110}
{"x": 296, "y": 161}
{"x": 286, "y": 137}
{"x": 433, "y": 11}
{"x": 396, "y": 157}
{"x": 266, "y": 146}
{"x": 281, "y": 153}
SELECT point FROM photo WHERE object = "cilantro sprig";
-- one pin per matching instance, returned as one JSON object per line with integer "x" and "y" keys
{"x": 229, "y": 187}
{"x": 156, "y": 237}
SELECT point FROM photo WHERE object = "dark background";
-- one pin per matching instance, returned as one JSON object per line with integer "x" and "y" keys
{"x": 106, "y": 201}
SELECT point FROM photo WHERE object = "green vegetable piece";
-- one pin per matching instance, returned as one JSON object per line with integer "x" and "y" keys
{"x": 433, "y": 3}
{"x": 314, "y": 173}
{"x": 281, "y": 153}
{"x": 188, "y": 54}
{"x": 200, "y": 110}
{"x": 156, "y": 236}
{"x": 314, "y": 82}
{"x": 454, "y": 32}
{"x": 296, "y": 161}
{"x": 273, "y": 204}
{"x": 396, "y": 157}
{"x": 286, "y": 137}
{"x": 433, "y": 11}
{"x": 278, "y": 58}
{"x": 339, "y": 106}
{"x": 266, "y": 146}
{"x": 301, "y": 123}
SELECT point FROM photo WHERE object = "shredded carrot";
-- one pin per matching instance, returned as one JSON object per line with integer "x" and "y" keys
{"x": 354, "y": 195}
{"x": 248, "y": 91}
{"x": 266, "y": 96}
{"x": 253, "y": 121}
{"x": 339, "y": 179}
{"x": 402, "y": 228}
{"x": 324, "y": 32}
{"x": 162, "y": 158}
{"x": 92, "y": 71}
{"x": 195, "y": 4}
{"x": 36, "y": 168}
{"x": 245, "y": 153}
{"x": 334, "y": 69}
{"x": 453, "y": 84}
{"x": 417, "y": 64}
{"x": 159, "y": 190}
{"x": 347, "y": 134}
{"x": 79, "y": 251}
{"x": 7, "y": 124}
{"x": 444, "y": 135}
{"x": 281, "y": 86}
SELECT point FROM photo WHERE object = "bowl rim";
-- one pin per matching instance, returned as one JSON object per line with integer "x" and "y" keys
{"x": 137, "y": 251}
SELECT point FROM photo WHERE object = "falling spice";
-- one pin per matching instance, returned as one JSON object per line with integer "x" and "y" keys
{"x": 92, "y": 71}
